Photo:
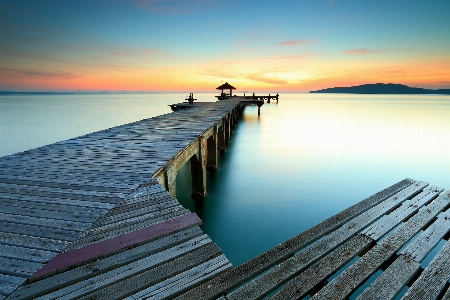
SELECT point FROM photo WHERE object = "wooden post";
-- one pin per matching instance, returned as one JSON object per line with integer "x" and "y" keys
{"x": 170, "y": 180}
{"x": 259, "y": 107}
{"x": 232, "y": 121}
{"x": 212, "y": 145}
{"x": 221, "y": 138}
{"x": 198, "y": 172}
{"x": 268, "y": 99}
{"x": 227, "y": 128}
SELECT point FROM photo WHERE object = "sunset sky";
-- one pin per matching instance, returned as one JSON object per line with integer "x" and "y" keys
{"x": 273, "y": 46}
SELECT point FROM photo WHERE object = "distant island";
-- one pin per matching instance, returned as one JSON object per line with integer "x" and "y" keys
{"x": 382, "y": 88}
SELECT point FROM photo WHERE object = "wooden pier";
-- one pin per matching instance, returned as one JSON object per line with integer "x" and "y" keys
{"x": 96, "y": 217}
{"x": 263, "y": 97}
{"x": 390, "y": 232}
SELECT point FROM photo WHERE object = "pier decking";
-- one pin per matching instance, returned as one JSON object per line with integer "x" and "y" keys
{"x": 98, "y": 213}
{"x": 334, "y": 258}
{"x": 95, "y": 217}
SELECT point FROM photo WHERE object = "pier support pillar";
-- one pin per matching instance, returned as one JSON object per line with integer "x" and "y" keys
{"x": 231, "y": 119}
{"x": 198, "y": 171}
{"x": 212, "y": 144}
{"x": 170, "y": 180}
{"x": 221, "y": 138}
{"x": 259, "y": 108}
{"x": 227, "y": 125}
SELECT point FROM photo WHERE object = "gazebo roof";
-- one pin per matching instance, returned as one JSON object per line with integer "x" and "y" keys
{"x": 225, "y": 86}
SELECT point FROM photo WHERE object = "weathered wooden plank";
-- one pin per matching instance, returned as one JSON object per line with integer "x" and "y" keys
{"x": 226, "y": 282}
{"x": 101, "y": 229}
{"x": 154, "y": 276}
{"x": 384, "y": 225}
{"x": 42, "y": 212}
{"x": 18, "y": 267}
{"x": 38, "y": 231}
{"x": 35, "y": 255}
{"x": 120, "y": 229}
{"x": 60, "y": 198}
{"x": 188, "y": 279}
{"x": 67, "y": 174}
{"x": 106, "y": 264}
{"x": 426, "y": 241}
{"x": 352, "y": 277}
{"x": 391, "y": 281}
{"x": 150, "y": 209}
{"x": 138, "y": 202}
{"x": 275, "y": 277}
{"x": 105, "y": 197}
{"x": 106, "y": 279}
{"x": 308, "y": 279}
{"x": 81, "y": 170}
{"x": 446, "y": 295}
{"x": 45, "y": 222}
{"x": 433, "y": 279}
{"x": 69, "y": 206}
{"x": 31, "y": 242}
{"x": 154, "y": 199}
{"x": 145, "y": 191}
{"x": 57, "y": 185}
{"x": 9, "y": 283}
{"x": 72, "y": 174}
{"x": 108, "y": 247}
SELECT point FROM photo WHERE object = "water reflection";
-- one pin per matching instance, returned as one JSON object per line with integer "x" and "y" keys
{"x": 312, "y": 156}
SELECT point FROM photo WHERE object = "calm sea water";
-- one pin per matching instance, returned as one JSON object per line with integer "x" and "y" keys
{"x": 300, "y": 162}
{"x": 313, "y": 155}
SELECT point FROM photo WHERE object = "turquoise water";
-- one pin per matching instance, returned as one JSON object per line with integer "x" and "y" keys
{"x": 310, "y": 157}
{"x": 30, "y": 121}
{"x": 301, "y": 161}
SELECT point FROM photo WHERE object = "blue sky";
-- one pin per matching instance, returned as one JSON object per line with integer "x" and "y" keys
{"x": 194, "y": 45}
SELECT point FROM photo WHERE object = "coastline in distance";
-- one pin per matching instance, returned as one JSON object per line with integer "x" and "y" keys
{"x": 382, "y": 88}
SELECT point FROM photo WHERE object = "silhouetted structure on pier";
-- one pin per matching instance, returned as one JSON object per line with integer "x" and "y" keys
{"x": 225, "y": 86}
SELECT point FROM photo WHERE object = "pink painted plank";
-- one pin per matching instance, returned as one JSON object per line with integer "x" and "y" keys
{"x": 93, "y": 251}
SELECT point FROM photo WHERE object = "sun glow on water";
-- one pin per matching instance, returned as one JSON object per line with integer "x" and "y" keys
{"x": 311, "y": 156}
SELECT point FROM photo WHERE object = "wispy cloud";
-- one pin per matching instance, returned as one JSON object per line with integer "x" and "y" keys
{"x": 51, "y": 74}
{"x": 365, "y": 51}
{"x": 295, "y": 42}
{"x": 266, "y": 79}
{"x": 291, "y": 57}
{"x": 177, "y": 7}
{"x": 43, "y": 74}
{"x": 138, "y": 52}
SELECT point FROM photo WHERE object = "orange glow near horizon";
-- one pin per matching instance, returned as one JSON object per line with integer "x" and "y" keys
{"x": 245, "y": 75}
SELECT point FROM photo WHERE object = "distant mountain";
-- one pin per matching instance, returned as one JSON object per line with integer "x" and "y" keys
{"x": 382, "y": 88}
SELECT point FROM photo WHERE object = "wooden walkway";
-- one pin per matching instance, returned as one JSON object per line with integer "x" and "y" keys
{"x": 94, "y": 217}
{"x": 85, "y": 218}
{"x": 390, "y": 233}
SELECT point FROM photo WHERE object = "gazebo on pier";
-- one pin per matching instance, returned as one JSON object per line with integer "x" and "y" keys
{"x": 225, "y": 86}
